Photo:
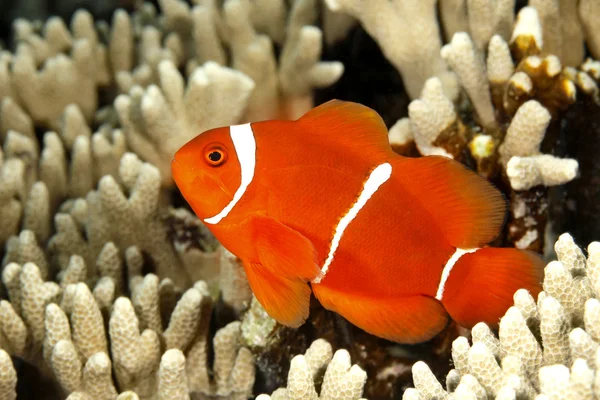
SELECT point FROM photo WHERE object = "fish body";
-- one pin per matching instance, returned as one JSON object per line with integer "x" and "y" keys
{"x": 395, "y": 245}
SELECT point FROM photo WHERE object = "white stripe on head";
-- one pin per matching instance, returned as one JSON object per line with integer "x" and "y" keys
{"x": 245, "y": 148}
{"x": 377, "y": 178}
{"x": 448, "y": 268}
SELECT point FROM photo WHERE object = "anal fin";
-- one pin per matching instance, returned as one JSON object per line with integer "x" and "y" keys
{"x": 406, "y": 319}
{"x": 278, "y": 272}
{"x": 285, "y": 299}
{"x": 468, "y": 209}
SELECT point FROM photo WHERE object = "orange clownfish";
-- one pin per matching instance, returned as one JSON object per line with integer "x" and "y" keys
{"x": 393, "y": 244}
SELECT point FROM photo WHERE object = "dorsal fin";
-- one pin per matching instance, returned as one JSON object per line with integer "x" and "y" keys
{"x": 348, "y": 121}
{"x": 469, "y": 210}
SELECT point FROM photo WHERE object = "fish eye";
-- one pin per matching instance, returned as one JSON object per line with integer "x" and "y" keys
{"x": 215, "y": 155}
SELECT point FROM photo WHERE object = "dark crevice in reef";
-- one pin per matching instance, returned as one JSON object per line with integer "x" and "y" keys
{"x": 576, "y": 206}
{"x": 368, "y": 77}
{"x": 44, "y": 387}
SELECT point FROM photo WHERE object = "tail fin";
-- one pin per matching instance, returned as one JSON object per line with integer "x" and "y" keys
{"x": 481, "y": 285}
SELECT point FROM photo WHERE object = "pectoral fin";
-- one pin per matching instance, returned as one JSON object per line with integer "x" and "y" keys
{"x": 285, "y": 299}
{"x": 284, "y": 262}
{"x": 283, "y": 251}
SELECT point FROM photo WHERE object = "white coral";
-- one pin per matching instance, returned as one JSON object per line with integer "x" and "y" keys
{"x": 342, "y": 380}
{"x": 158, "y": 120}
{"x": 544, "y": 350}
{"x": 525, "y": 165}
{"x": 409, "y": 36}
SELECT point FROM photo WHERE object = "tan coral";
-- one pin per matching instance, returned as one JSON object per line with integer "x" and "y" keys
{"x": 8, "y": 377}
{"x": 253, "y": 55}
{"x": 14, "y": 334}
{"x": 409, "y": 36}
{"x": 14, "y": 118}
{"x": 487, "y": 18}
{"x": 519, "y": 152}
{"x": 433, "y": 119}
{"x": 121, "y": 45}
{"x": 468, "y": 65}
{"x": 341, "y": 380}
{"x": 171, "y": 376}
{"x": 550, "y": 84}
{"x": 43, "y": 96}
{"x": 589, "y": 10}
{"x": 499, "y": 68}
{"x": 545, "y": 350}
{"x": 66, "y": 365}
{"x": 97, "y": 377}
{"x": 25, "y": 248}
{"x": 87, "y": 323}
{"x": 135, "y": 356}
{"x": 527, "y": 36}
{"x": 300, "y": 68}
{"x": 562, "y": 29}
{"x": 454, "y": 17}
{"x": 233, "y": 283}
{"x": 35, "y": 295}
{"x": 546, "y": 170}
{"x": 158, "y": 121}
{"x": 127, "y": 216}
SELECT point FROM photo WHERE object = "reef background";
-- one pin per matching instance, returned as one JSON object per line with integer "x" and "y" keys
{"x": 370, "y": 79}
{"x": 250, "y": 354}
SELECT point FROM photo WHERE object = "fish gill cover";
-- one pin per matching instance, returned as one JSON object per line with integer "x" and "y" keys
{"x": 112, "y": 288}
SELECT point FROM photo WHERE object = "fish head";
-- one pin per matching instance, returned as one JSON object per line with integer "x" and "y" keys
{"x": 207, "y": 172}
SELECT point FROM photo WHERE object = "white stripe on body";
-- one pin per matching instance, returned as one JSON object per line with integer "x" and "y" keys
{"x": 245, "y": 148}
{"x": 448, "y": 268}
{"x": 377, "y": 178}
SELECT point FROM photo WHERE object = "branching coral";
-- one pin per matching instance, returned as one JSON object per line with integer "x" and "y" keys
{"x": 425, "y": 129}
{"x": 515, "y": 91}
{"x": 250, "y": 30}
{"x": 520, "y": 154}
{"x": 69, "y": 164}
{"x": 549, "y": 347}
{"x": 588, "y": 13}
{"x": 128, "y": 215}
{"x": 143, "y": 51}
{"x": 157, "y": 121}
{"x": 341, "y": 380}
{"x": 98, "y": 265}
{"x": 409, "y": 37}
{"x": 562, "y": 30}
{"x": 72, "y": 67}
{"x": 215, "y": 95}
{"x": 63, "y": 327}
